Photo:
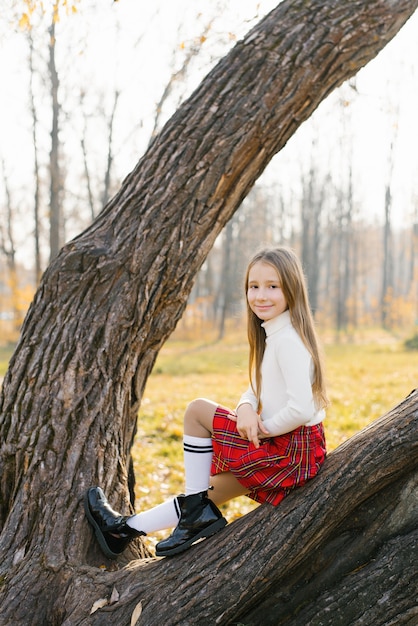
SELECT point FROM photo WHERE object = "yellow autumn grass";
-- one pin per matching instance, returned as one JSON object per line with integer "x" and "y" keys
{"x": 365, "y": 381}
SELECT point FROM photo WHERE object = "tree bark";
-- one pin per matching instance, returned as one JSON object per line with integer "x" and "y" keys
{"x": 107, "y": 303}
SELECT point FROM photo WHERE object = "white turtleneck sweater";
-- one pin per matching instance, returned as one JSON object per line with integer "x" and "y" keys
{"x": 286, "y": 383}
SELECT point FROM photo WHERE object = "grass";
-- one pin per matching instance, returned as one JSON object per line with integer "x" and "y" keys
{"x": 365, "y": 380}
{"x": 5, "y": 355}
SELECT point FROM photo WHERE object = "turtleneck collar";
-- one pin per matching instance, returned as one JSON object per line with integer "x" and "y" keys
{"x": 277, "y": 323}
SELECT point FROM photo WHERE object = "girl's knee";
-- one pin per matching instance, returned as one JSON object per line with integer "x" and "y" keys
{"x": 200, "y": 411}
{"x": 195, "y": 405}
{"x": 195, "y": 408}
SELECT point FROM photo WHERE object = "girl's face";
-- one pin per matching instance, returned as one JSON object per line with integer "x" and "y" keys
{"x": 264, "y": 292}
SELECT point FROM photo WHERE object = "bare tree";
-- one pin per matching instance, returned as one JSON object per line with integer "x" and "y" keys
{"x": 107, "y": 178}
{"x": 90, "y": 195}
{"x": 178, "y": 75}
{"x": 7, "y": 240}
{"x": 314, "y": 191}
{"x": 105, "y": 306}
{"x": 8, "y": 244}
{"x": 36, "y": 165}
{"x": 55, "y": 203}
{"x": 388, "y": 260}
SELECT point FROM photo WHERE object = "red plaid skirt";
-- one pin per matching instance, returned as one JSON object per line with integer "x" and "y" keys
{"x": 271, "y": 471}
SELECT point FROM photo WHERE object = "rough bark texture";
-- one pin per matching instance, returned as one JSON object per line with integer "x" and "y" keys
{"x": 106, "y": 305}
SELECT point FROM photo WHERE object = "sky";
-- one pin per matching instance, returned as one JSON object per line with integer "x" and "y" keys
{"x": 133, "y": 46}
{"x": 382, "y": 108}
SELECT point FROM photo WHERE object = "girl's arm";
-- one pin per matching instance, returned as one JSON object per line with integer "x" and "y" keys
{"x": 248, "y": 397}
{"x": 295, "y": 364}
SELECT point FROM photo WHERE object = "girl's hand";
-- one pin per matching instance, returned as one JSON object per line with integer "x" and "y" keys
{"x": 249, "y": 424}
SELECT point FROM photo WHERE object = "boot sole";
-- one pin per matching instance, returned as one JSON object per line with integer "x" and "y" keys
{"x": 204, "y": 534}
{"x": 99, "y": 535}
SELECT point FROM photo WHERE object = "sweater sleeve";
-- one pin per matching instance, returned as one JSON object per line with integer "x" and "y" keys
{"x": 295, "y": 363}
{"x": 248, "y": 397}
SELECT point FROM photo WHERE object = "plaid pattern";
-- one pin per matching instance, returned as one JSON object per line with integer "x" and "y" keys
{"x": 271, "y": 471}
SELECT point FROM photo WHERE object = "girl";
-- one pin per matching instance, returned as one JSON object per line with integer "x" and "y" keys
{"x": 273, "y": 441}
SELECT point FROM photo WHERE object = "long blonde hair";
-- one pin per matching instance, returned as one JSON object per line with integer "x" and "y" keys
{"x": 293, "y": 284}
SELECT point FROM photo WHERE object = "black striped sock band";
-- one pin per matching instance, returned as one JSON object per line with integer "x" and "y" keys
{"x": 188, "y": 447}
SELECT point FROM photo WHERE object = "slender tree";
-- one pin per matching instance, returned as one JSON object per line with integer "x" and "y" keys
{"x": 8, "y": 244}
{"x": 36, "y": 165}
{"x": 55, "y": 204}
{"x": 105, "y": 306}
{"x": 388, "y": 253}
{"x": 312, "y": 208}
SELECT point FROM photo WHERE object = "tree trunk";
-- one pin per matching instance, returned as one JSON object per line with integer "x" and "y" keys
{"x": 225, "y": 287}
{"x": 105, "y": 306}
{"x": 109, "y": 163}
{"x": 36, "y": 166}
{"x": 312, "y": 205}
{"x": 55, "y": 209}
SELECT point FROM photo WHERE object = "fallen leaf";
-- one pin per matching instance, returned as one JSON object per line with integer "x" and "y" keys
{"x": 136, "y": 614}
{"x": 114, "y": 597}
{"x": 99, "y": 604}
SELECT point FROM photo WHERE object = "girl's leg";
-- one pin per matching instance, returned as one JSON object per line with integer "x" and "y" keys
{"x": 225, "y": 487}
{"x": 198, "y": 423}
{"x": 197, "y": 444}
{"x": 115, "y": 531}
{"x": 198, "y": 418}
{"x": 200, "y": 517}
{"x": 160, "y": 517}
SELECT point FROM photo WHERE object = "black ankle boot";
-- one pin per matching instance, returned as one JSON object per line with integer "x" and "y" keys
{"x": 107, "y": 523}
{"x": 199, "y": 518}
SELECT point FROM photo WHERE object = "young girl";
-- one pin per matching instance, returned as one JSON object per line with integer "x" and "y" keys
{"x": 273, "y": 441}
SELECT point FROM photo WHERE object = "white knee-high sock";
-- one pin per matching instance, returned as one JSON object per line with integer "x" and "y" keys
{"x": 165, "y": 515}
{"x": 197, "y": 463}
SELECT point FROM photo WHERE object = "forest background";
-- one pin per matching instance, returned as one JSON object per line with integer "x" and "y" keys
{"x": 343, "y": 193}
